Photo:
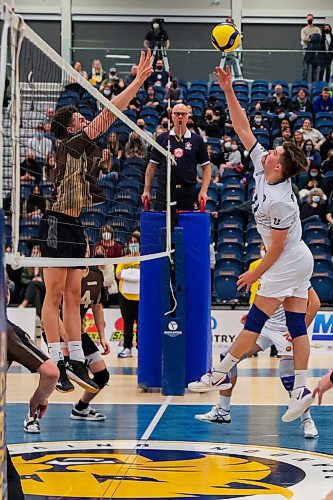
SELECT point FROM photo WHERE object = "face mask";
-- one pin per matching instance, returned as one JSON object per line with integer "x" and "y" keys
{"x": 227, "y": 144}
{"x": 165, "y": 125}
{"x": 107, "y": 92}
{"x": 99, "y": 256}
{"x": 258, "y": 121}
{"x": 308, "y": 148}
{"x": 174, "y": 85}
{"x": 316, "y": 199}
{"x": 155, "y": 26}
{"x": 310, "y": 21}
{"x": 278, "y": 92}
{"x": 327, "y": 31}
{"x": 133, "y": 247}
{"x": 141, "y": 126}
{"x": 281, "y": 115}
{"x": 209, "y": 117}
{"x": 313, "y": 174}
{"x": 151, "y": 93}
{"x": 40, "y": 134}
{"x": 234, "y": 147}
{"x": 159, "y": 68}
{"x": 107, "y": 236}
{"x": 262, "y": 253}
{"x": 115, "y": 85}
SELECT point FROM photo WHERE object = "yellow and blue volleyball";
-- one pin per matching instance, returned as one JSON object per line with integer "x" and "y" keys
{"x": 225, "y": 37}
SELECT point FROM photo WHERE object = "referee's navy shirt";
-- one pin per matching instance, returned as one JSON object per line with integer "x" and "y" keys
{"x": 189, "y": 152}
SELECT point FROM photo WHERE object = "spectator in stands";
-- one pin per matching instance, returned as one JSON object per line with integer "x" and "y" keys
{"x": 152, "y": 100}
{"x": 113, "y": 144}
{"x": 286, "y": 135}
{"x": 278, "y": 100}
{"x": 312, "y": 133}
{"x": 215, "y": 171}
{"x": 159, "y": 77}
{"x": 301, "y": 102}
{"x": 257, "y": 123}
{"x": 279, "y": 123}
{"x": 79, "y": 68}
{"x": 326, "y": 146}
{"x": 313, "y": 180}
{"x": 175, "y": 93}
{"x": 212, "y": 124}
{"x": 193, "y": 126}
{"x": 50, "y": 115}
{"x": 309, "y": 34}
{"x": 313, "y": 157}
{"x": 97, "y": 74}
{"x": 36, "y": 204}
{"x": 49, "y": 168}
{"x": 327, "y": 165}
{"x": 113, "y": 81}
{"x": 33, "y": 285}
{"x": 135, "y": 104}
{"x": 326, "y": 56}
{"x": 329, "y": 215}
{"x": 129, "y": 78}
{"x": 129, "y": 288}
{"x": 159, "y": 130}
{"x": 48, "y": 133}
{"x": 29, "y": 168}
{"x": 232, "y": 156}
{"x": 112, "y": 248}
{"x": 315, "y": 206}
{"x": 109, "y": 280}
{"x": 216, "y": 106}
{"x": 142, "y": 124}
{"x": 135, "y": 148}
{"x": 40, "y": 144}
{"x": 156, "y": 37}
{"x": 308, "y": 30}
{"x": 298, "y": 139}
{"x": 324, "y": 102}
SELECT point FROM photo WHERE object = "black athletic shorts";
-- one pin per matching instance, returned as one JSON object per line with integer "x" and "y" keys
{"x": 20, "y": 348}
{"x": 61, "y": 235}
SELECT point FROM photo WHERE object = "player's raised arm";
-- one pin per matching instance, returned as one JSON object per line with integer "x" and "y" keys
{"x": 103, "y": 121}
{"x": 239, "y": 120}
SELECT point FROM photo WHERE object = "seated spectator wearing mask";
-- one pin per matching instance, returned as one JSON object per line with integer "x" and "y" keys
{"x": 257, "y": 123}
{"x": 326, "y": 146}
{"x": 313, "y": 179}
{"x": 36, "y": 204}
{"x": 315, "y": 206}
{"x": 142, "y": 125}
{"x": 324, "y": 102}
{"x": 175, "y": 93}
{"x": 280, "y": 122}
{"x": 212, "y": 124}
{"x": 109, "y": 279}
{"x": 40, "y": 145}
{"x": 215, "y": 177}
{"x": 159, "y": 77}
{"x": 111, "y": 80}
{"x": 29, "y": 168}
{"x": 152, "y": 100}
{"x": 286, "y": 135}
{"x": 112, "y": 248}
{"x": 217, "y": 106}
{"x": 327, "y": 165}
{"x": 301, "y": 102}
{"x": 278, "y": 100}
{"x": 135, "y": 148}
{"x": 312, "y": 133}
{"x": 232, "y": 156}
{"x": 313, "y": 157}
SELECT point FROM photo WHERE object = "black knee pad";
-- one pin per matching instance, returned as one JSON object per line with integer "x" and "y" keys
{"x": 101, "y": 378}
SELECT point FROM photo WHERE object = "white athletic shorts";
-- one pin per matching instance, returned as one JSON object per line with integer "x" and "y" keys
{"x": 268, "y": 337}
{"x": 290, "y": 275}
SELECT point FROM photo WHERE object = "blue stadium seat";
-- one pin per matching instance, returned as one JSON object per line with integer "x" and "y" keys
{"x": 148, "y": 112}
{"x": 229, "y": 193}
{"x": 197, "y": 100}
{"x": 285, "y": 86}
{"x": 26, "y": 188}
{"x": 259, "y": 83}
{"x": 228, "y": 262}
{"x": 196, "y": 91}
{"x": 92, "y": 218}
{"x": 125, "y": 184}
{"x": 225, "y": 284}
{"x": 230, "y": 232}
{"x": 315, "y": 229}
{"x": 322, "y": 263}
{"x": 251, "y": 257}
{"x": 201, "y": 83}
{"x": 323, "y": 285}
{"x": 319, "y": 248}
{"x": 231, "y": 245}
{"x": 215, "y": 142}
{"x": 29, "y": 230}
{"x": 131, "y": 114}
{"x": 213, "y": 192}
{"x": 325, "y": 129}
{"x": 311, "y": 239}
{"x": 230, "y": 224}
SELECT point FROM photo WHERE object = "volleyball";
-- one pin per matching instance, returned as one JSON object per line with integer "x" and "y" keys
{"x": 225, "y": 37}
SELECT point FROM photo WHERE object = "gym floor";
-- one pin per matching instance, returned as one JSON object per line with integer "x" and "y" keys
{"x": 151, "y": 447}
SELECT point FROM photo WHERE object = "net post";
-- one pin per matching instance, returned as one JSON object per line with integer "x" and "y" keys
{"x": 3, "y": 62}
{"x": 3, "y": 365}
{"x": 174, "y": 324}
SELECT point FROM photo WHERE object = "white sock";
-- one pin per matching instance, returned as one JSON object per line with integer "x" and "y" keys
{"x": 55, "y": 352}
{"x": 75, "y": 350}
{"x": 227, "y": 364}
{"x": 306, "y": 415}
{"x": 300, "y": 378}
{"x": 225, "y": 402}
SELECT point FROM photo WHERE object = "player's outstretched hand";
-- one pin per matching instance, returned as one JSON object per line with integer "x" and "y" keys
{"x": 224, "y": 78}
{"x": 246, "y": 279}
{"x": 324, "y": 385}
{"x": 145, "y": 68}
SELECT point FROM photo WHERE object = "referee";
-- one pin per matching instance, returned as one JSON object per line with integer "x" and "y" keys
{"x": 189, "y": 151}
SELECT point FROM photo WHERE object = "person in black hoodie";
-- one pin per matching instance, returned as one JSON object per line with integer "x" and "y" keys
{"x": 326, "y": 57}
{"x": 30, "y": 169}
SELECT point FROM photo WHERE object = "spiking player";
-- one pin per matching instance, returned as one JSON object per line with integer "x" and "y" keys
{"x": 61, "y": 233}
{"x": 273, "y": 332}
{"x": 286, "y": 268}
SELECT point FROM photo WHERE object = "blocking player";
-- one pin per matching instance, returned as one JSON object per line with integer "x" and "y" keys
{"x": 286, "y": 268}
{"x": 93, "y": 295}
{"x": 273, "y": 332}
{"x": 61, "y": 233}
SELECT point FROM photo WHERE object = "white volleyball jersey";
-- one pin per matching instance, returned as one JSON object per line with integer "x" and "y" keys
{"x": 275, "y": 205}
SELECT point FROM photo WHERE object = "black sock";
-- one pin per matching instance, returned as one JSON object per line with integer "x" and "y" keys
{"x": 81, "y": 405}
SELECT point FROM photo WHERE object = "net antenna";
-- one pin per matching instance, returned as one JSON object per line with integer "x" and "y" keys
{"x": 20, "y": 33}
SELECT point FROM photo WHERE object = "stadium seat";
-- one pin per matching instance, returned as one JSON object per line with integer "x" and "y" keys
{"x": 29, "y": 230}
{"x": 323, "y": 285}
{"x": 259, "y": 83}
{"x": 200, "y": 83}
{"x": 92, "y": 234}
{"x": 231, "y": 245}
{"x": 228, "y": 262}
{"x": 131, "y": 114}
{"x": 225, "y": 284}
{"x": 230, "y": 224}
{"x": 86, "y": 111}
{"x": 315, "y": 229}
{"x": 196, "y": 92}
{"x": 319, "y": 248}
{"x": 283, "y": 83}
{"x": 322, "y": 263}
{"x": 215, "y": 142}
{"x": 212, "y": 191}
{"x": 92, "y": 218}
{"x": 325, "y": 129}
{"x": 229, "y": 192}
{"x": 148, "y": 112}
{"x": 230, "y": 232}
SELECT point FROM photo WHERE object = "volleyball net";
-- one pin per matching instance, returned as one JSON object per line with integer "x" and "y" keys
{"x": 38, "y": 83}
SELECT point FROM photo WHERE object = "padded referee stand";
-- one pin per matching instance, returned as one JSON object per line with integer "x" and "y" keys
{"x": 164, "y": 348}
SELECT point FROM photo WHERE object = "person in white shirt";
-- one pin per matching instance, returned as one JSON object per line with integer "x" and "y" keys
{"x": 312, "y": 133}
{"x": 287, "y": 266}
{"x": 41, "y": 146}
{"x": 308, "y": 30}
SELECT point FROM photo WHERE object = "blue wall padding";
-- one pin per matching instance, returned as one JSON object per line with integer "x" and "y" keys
{"x": 198, "y": 294}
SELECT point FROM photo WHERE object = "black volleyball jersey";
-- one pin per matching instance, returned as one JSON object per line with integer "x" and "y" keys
{"x": 92, "y": 290}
